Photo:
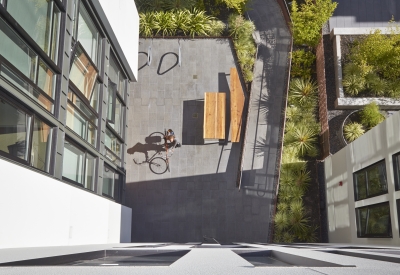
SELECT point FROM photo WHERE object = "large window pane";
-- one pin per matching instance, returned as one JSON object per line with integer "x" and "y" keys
{"x": 88, "y": 35}
{"x": 41, "y": 145}
{"x": 83, "y": 74}
{"x": 119, "y": 114}
{"x": 374, "y": 221}
{"x": 40, "y": 19}
{"x": 108, "y": 182}
{"x": 116, "y": 77}
{"x": 14, "y": 130}
{"x": 396, "y": 169}
{"x": 80, "y": 119}
{"x": 112, "y": 143}
{"x": 17, "y": 52}
{"x": 46, "y": 78}
{"x": 73, "y": 162}
{"x": 370, "y": 181}
{"x": 90, "y": 172}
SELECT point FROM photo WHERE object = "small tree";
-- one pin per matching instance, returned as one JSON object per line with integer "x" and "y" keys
{"x": 307, "y": 21}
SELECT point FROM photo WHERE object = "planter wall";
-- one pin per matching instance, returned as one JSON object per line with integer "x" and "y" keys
{"x": 343, "y": 102}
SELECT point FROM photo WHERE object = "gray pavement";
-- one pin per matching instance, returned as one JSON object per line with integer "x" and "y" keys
{"x": 199, "y": 196}
{"x": 364, "y": 13}
{"x": 263, "y": 142}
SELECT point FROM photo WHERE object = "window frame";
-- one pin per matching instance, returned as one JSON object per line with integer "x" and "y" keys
{"x": 117, "y": 188}
{"x": 76, "y": 108}
{"x": 358, "y": 222}
{"x": 109, "y": 149}
{"x": 396, "y": 170}
{"x": 16, "y": 104}
{"x": 365, "y": 169}
{"x": 83, "y": 149}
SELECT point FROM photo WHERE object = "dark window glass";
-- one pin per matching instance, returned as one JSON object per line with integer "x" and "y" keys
{"x": 398, "y": 213}
{"x": 371, "y": 181}
{"x": 373, "y": 221}
{"x": 40, "y": 19}
{"x": 396, "y": 170}
{"x": 81, "y": 119}
{"x": 78, "y": 166}
{"x": 26, "y": 71}
{"x": 23, "y": 141}
{"x": 112, "y": 183}
{"x": 83, "y": 74}
{"x": 116, "y": 77}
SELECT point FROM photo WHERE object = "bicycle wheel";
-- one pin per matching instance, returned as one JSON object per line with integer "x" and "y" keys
{"x": 158, "y": 165}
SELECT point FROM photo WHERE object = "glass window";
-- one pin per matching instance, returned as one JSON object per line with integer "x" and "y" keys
{"x": 16, "y": 130}
{"x": 88, "y": 35}
{"x": 371, "y": 181}
{"x": 22, "y": 68}
{"x": 373, "y": 221}
{"x": 112, "y": 183}
{"x": 41, "y": 20}
{"x": 78, "y": 166}
{"x": 116, "y": 78}
{"x": 119, "y": 114}
{"x": 41, "y": 145}
{"x": 396, "y": 170}
{"x": 113, "y": 145}
{"x": 83, "y": 74}
{"x": 81, "y": 119}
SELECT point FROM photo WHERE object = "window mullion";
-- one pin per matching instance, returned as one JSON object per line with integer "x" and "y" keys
{"x": 30, "y": 141}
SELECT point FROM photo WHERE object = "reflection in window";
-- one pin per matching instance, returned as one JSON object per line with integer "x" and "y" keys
{"x": 41, "y": 145}
{"x": 41, "y": 20}
{"x": 116, "y": 77}
{"x": 114, "y": 145}
{"x": 15, "y": 136}
{"x": 83, "y": 74}
{"x": 78, "y": 166}
{"x": 374, "y": 221}
{"x": 88, "y": 35}
{"x": 81, "y": 119}
{"x": 370, "y": 181}
{"x": 396, "y": 169}
{"x": 112, "y": 182}
{"x": 15, "y": 127}
{"x": 25, "y": 70}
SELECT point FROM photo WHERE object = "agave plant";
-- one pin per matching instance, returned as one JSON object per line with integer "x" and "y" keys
{"x": 302, "y": 91}
{"x": 353, "y": 131}
{"x": 304, "y": 139}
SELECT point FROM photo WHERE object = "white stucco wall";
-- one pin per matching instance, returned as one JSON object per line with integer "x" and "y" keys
{"x": 379, "y": 143}
{"x": 36, "y": 210}
{"x": 124, "y": 20}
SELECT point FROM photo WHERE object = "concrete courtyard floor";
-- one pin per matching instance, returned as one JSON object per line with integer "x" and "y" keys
{"x": 199, "y": 196}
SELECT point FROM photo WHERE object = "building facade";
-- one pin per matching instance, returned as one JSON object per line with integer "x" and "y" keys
{"x": 65, "y": 69}
{"x": 363, "y": 188}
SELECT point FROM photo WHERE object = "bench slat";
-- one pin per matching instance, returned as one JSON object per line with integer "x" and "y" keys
{"x": 237, "y": 104}
{"x": 214, "y": 115}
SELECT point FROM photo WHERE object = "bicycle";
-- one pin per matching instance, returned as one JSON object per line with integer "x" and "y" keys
{"x": 158, "y": 165}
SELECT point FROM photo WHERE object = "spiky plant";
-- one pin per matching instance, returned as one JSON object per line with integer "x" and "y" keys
{"x": 281, "y": 220}
{"x": 302, "y": 179}
{"x": 217, "y": 28}
{"x": 182, "y": 20}
{"x": 304, "y": 139}
{"x": 297, "y": 193}
{"x": 298, "y": 222}
{"x": 290, "y": 155}
{"x": 148, "y": 24}
{"x": 166, "y": 23}
{"x": 353, "y": 84}
{"x": 371, "y": 116}
{"x": 393, "y": 89}
{"x": 293, "y": 113}
{"x": 309, "y": 235}
{"x": 302, "y": 91}
{"x": 376, "y": 84}
{"x": 282, "y": 206}
{"x": 353, "y": 131}
{"x": 199, "y": 23}
{"x": 288, "y": 237}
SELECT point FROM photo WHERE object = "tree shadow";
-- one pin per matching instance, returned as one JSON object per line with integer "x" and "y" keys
{"x": 161, "y": 61}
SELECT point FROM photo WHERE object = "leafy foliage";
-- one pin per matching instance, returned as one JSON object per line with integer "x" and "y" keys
{"x": 308, "y": 19}
{"x": 164, "y": 5}
{"x": 371, "y": 116}
{"x": 302, "y": 62}
{"x": 302, "y": 91}
{"x": 241, "y": 31}
{"x": 238, "y": 5}
{"x": 171, "y": 22}
{"x": 352, "y": 131}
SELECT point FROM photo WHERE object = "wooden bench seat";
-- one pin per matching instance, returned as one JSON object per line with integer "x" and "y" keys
{"x": 214, "y": 115}
{"x": 237, "y": 104}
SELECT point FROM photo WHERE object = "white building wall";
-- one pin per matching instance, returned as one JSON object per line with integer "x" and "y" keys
{"x": 36, "y": 210}
{"x": 379, "y": 143}
{"x": 124, "y": 20}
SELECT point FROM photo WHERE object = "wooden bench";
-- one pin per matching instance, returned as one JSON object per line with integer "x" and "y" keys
{"x": 237, "y": 104}
{"x": 214, "y": 115}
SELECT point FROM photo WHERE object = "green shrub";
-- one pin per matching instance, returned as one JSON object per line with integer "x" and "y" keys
{"x": 150, "y": 5}
{"x": 302, "y": 63}
{"x": 178, "y": 4}
{"x": 353, "y": 84}
{"x": 166, "y": 23}
{"x": 303, "y": 139}
{"x": 352, "y": 131}
{"x": 371, "y": 116}
{"x": 376, "y": 84}
{"x": 302, "y": 92}
{"x": 238, "y": 5}
{"x": 217, "y": 28}
{"x": 308, "y": 19}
